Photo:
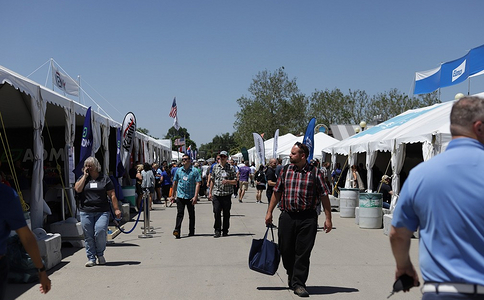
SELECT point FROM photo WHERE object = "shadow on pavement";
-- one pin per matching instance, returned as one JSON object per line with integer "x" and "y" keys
{"x": 314, "y": 290}
{"x": 325, "y": 290}
{"x": 122, "y": 244}
{"x": 122, "y": 263}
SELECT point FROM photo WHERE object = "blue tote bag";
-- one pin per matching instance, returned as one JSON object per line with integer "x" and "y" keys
{"x": 264, "y": 255}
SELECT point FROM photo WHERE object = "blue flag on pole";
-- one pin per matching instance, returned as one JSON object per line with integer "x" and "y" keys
{"x": 86, "y": 144}
{"x": 450, "y": 73}
{"x": 119, "y": 163}
{"x": 309, "y": 138}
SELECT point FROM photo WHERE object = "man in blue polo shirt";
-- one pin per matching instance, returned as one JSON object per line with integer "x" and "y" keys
{"x": 12, "y": 218}
{"x": 186, "y": 185}
{"x": 443, "y": 197}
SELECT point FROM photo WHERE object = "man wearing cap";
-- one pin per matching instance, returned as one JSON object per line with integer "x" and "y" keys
{"x": 443, "y": 198}
{"x": 386, "y": 190}
{"x": 222, "y": 180}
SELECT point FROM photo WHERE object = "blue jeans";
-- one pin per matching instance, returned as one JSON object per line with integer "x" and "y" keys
{"x": 95, "y": 227}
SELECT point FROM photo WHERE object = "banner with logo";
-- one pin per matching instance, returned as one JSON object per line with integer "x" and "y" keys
{"x": 450, "y": 73}
{"x": 274, "y": 147}
{"x": 127, "y": 138}
{"x": 309, "y": 138}
{"x": 64, "y": 82}
{"x": 259, "y": 148}
{"x": 86, "y": 144}
{"x": 119, "y": 164}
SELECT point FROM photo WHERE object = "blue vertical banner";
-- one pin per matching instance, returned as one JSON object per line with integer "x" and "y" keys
{"x": 309, "y": 138}
{"x": 119, "y": 163}
{"x": 86, "y": 143}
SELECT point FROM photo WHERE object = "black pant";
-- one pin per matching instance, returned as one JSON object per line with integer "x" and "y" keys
{"x": 165, "y": 191}
{"x": 180, "y": 206}
{"x": 297, "y": 233}
{"x": 269, "y": 195}
{"x": 222, "y": 204}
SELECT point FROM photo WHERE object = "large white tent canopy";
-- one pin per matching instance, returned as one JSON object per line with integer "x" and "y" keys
{"x": 285, "y": 143}
{"x": 428, "y": 125}
{"x": 25, "y": 104}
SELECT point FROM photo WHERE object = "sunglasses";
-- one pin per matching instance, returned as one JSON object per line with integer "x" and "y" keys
{"x": 185, "y": 159}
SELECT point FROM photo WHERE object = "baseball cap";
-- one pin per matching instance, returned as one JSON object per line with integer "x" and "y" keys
{"x": 224, "y": 153}
{"x": 385, "y": 177}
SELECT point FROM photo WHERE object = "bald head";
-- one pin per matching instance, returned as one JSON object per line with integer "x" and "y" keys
{"x": 465, "y": 113}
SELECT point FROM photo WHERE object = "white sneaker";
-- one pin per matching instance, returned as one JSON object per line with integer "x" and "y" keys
{"x": 101, "y": 260}
{"x": 90, "y": 263}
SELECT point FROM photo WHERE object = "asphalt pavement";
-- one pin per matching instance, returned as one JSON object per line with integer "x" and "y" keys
{"x": 347, "y": 263}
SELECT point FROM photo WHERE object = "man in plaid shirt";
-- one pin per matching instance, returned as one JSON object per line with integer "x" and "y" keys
{"x": 303, "y": 188}
{"x": 222, "y": 183}
{"x": 186, "y": 185}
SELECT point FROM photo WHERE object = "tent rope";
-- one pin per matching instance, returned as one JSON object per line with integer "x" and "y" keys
{"x": 58, "y": 167}
{"x": 8, "y": 152}
{"x": 339, "y": 178}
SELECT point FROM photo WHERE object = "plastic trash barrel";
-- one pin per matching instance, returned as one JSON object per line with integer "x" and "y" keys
{"x": 371, "y": 213}
{"x": 129, "y": 195}
{"x": 347, "y": 202}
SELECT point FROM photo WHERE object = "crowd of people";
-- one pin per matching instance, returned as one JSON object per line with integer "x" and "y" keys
{"x": 436, "y": 200}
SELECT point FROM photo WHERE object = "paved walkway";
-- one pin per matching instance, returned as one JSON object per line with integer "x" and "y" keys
{"x": 348, "y": 263}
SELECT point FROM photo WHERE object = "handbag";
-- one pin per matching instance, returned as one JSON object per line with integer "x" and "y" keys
{"x": 264, "y": 255}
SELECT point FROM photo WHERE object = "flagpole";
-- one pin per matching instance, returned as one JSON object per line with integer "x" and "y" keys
{"x": 79, "y": 88}
{"x": 51, "y": 68}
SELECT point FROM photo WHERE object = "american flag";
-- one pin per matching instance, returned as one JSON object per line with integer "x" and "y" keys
{"x": 173, "y": 109}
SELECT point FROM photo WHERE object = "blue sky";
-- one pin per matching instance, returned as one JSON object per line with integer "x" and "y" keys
{"x": 137, "y": 55}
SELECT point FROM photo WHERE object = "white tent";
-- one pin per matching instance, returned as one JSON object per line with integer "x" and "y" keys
{"x": 427, "y": 125}
{"x": 285, "y": 143}
{"x": 29, "y": 107}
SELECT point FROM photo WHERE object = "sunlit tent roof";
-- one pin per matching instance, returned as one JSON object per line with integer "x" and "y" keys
{"x": 427, "y": 124}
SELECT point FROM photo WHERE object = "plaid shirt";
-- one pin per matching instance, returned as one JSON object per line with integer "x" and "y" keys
{"x": 186, "y": 182}
{"x": 298, "y": 186}
{"x": 220, "y": 173}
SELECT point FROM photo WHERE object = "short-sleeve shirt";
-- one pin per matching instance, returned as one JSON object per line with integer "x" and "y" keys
{"x": 443, "y": 197}
{"x": 11, "y": 215}
{"x": 94, "y": 197}
{"x": 244, "y": 173}
{"x": 271, "y": 175}
{"x": 219, "y": 174}
{"x": 298, "y": 188}
{"x": 186, "y": 182}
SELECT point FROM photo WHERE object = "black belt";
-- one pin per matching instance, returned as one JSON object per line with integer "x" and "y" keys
{"x": 299, "y": 212}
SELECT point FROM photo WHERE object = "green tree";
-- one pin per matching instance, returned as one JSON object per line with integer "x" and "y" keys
{"x": 389, "y": 104}
{"x": 275, "y": 103}
{"x": 225, "y": 142}
{"x": 174, "y": 134}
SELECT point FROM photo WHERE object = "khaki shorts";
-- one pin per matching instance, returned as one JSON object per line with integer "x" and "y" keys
{"x": 244, "y": 185}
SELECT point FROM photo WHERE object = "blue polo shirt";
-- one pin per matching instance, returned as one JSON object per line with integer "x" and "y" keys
{"x": 11, "y": 215}
{"x": 444, "y": 197}
{"x": 186, "y": 182}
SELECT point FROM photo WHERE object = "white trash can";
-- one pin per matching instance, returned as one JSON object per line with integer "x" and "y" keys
{"x": 348, "y": 199}
{"x": 370, "y": 212}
